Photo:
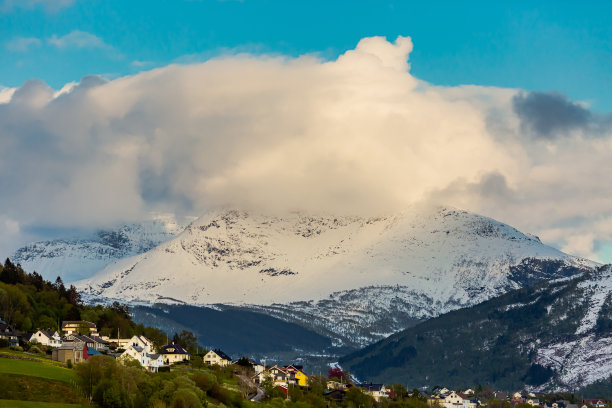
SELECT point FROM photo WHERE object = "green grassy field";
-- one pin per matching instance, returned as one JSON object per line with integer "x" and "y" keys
{"x": 35, "y": 404}
{"x": 36, "y": 369}
{"x": 37, "y": 357}
{"x": 27, "y": 388}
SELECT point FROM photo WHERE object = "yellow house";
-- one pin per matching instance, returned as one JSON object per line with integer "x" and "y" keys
{"x": 173, "y": 353}
{"x": 217, "y": 357}
{"x": 301, "y": 378}
{"x": 296, "y": 375}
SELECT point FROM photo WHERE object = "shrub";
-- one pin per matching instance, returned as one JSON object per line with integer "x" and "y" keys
{"x": 204, "y": 381}
{"x": 184, "y": 398}
{"x": 16, "y": 348}
{"x": 69, "y": 363}
{"x": 4, "y": 343}
{"x": 109, "y": 393}
{"x": 36, "y": 350}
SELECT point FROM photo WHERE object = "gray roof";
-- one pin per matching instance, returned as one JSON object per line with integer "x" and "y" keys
{"x": 175, "y": 349}
{"x": 72, "y": 345}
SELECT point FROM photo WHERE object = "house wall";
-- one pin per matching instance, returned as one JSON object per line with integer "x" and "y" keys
{"x": 301, "y": 378}
{"x": 75, "y": 356}
{"x": 175, "y": 358}
{"x": 213, "y": 358}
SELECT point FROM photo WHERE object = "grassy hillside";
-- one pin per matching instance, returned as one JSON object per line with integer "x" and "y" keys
{"x": 36, "y": 369}
{"x": 37, "y": 404}
{"x": 27, "y": 383}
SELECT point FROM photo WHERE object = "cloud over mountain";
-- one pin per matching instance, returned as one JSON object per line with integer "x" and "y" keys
{"x": 356, "y": 134}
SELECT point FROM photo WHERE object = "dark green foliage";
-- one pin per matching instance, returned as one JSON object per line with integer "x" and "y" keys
{"x": 604, "y": 320}
{"x": 204, "y": 381}
{"x": 109, "y": 394}
{"x": 244, "y": 362}
{"x": 537, "y": 374}
{"x": 239, "y": 331}
{"x": 599, "y": 389}
{"x": 356, "y": 398}
{"x": 28, "y": 302}
{"x": 187, "y": 340}
{"x": 490, "y": 343}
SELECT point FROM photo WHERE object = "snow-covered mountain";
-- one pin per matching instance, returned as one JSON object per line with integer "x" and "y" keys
{"x": 74, "y": 259}
{"x": 355, "y": 278}
{"x": 553, "y": 336}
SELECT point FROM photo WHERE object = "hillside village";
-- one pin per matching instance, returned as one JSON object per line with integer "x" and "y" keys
{"x": 213, "y": 376}
{"x": 79, "y": 341}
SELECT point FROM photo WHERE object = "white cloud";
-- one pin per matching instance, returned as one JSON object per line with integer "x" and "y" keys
{"x": 51, "y": 6}
{"x": 6, "y": 94}
{"x": 78, "y": 39}
{"x": 22, "y": 44}
{"x": 358, "y": 134}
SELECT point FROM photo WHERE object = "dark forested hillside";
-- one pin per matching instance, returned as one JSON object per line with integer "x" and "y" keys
{"x": 28, "y": 302}
{"x": 552, "y": 334}
{"x": 237, "y": 330}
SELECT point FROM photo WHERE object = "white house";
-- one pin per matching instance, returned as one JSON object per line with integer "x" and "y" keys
{"x": 217, "y": 357}
{"x": 376, "y": 391}
{"x": 152, "y": 362}
{"x": 174, "y": 353}
{"x": 149, "y": 361}
{"x": 142, "y": 342}
{"x": 46, "y": 338}
{"x": 74, "y": 326}
{"x": 453, "y": 400}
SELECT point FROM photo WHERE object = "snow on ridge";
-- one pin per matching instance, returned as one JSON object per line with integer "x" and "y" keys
{"x": 597, "y": 291}
{"x": 415, "y": 264}
{"x": 78, "y": 258}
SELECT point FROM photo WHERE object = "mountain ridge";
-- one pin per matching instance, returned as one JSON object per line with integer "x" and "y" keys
{"x": 362, "y": 278}
{"x": 80, "y": 257}
{"x": 553, "y": 336}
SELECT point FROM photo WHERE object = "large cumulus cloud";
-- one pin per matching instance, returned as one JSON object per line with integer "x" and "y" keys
{"x": 353, "y": 135}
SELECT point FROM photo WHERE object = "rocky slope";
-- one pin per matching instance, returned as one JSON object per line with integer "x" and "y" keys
{"x": 74, "y": 259}
{"x": 357, "y": 279}
{"x": 553, "y": 336}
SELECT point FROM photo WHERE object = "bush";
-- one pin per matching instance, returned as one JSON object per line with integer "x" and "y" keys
{"x": 36, "y": 350}
{"x": 109, "y": 393}
{"x": 184, "y": 398}
{"x": 69, "y": 363}
{"x": 16, "y": 348}
{"x": 4, "y": 343}
{"x": 221, "y": 394}
{"x": 204, "y": 381}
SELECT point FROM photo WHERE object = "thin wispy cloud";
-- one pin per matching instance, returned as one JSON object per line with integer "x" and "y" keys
{"x": 23, "y": 44}
{"x": 78, "y": 39}
{"x": 51, "y": 6}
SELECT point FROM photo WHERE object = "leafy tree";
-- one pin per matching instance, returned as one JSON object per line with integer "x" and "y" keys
{"x": 110, "y": 394}
{"x": 357, "y": 398}
{"x": 187, "y": 340}
{"x": 204, "y": 381}
{"x": 74, "y": 297}
{"x": 244, "y": 362}
{"x": 83, "y": 329}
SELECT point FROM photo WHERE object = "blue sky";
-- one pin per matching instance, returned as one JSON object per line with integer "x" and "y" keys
{"x": 557, "y": 45}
